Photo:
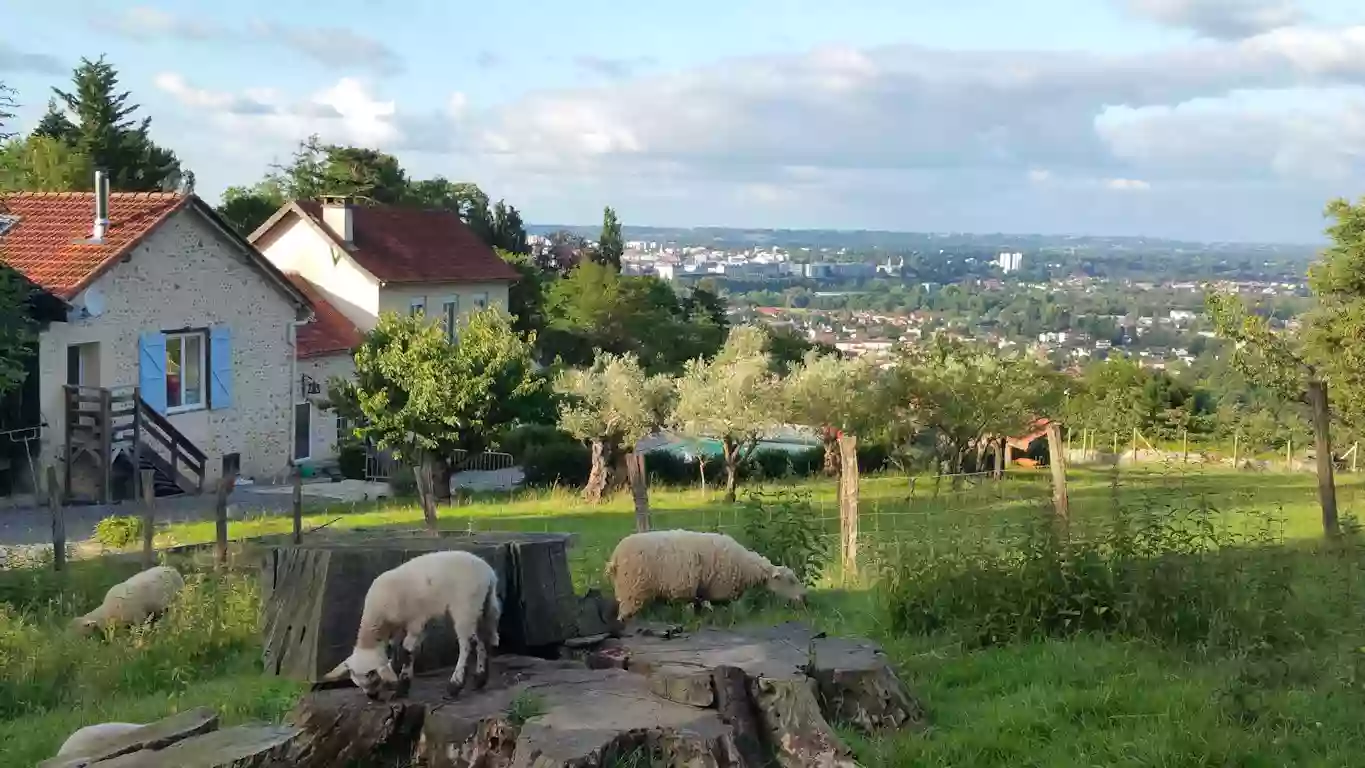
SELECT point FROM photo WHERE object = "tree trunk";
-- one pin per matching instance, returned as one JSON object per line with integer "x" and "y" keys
{"x": 830, "y": 441}
{"x": 441, "y": 473}
{"x": 1000, "y": 458}
{"x": 425, "y": 474}
{"x": 639, "y": 489}
{"x": 600, "y": 474}
{"x": 731, "y": 451}
{"x": 1322, "y": 434}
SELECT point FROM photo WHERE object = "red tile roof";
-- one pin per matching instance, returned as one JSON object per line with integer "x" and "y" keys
{"x": 412, "y": 245}
{"x": 330, "y": 332}
{"x": 46, "y": 243}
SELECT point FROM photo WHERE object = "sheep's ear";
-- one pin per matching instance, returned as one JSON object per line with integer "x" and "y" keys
{"x": 341, "y": 671}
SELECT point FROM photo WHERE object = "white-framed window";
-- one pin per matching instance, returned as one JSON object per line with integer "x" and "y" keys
{"x": 480, "y": 301}
{"x": 417, "y": 306}
{"x": 450, "y": 316}
{"x": 343, "y": 428}
{"x": 185, "y": 355}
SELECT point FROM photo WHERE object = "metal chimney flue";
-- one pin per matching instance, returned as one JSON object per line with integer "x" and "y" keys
{"x": 101, "y": 206}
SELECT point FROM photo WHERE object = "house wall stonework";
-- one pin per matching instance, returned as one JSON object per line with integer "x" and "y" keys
{"x": 187, "y": 274}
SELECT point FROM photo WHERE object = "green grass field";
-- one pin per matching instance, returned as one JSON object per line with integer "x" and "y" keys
{"x": 1082, "y": 700}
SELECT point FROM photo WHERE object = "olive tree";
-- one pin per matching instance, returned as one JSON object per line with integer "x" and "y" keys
{"x": 734, "y": 398}
{"x": 611, "y": 405}
{"x": 424, "y": 397}
{"x": 834, "y": 395}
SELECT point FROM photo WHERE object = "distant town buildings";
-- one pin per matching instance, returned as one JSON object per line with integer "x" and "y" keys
{"x": 1010, "y": 262}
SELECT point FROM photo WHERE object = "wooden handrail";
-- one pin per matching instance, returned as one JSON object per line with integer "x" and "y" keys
{"x": 91, "y": 412}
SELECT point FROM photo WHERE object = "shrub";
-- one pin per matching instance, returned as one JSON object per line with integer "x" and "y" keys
{"x": 781, "y": 527}
{"x": 556, "y": 464}
{"x": 1168, "y": 575}
{"x": 777, "y": 464}
{"x": 402, "y": 480}
{"x": 519, "y": 440}
{"x": 873, "y": 457}
{"x": 351, "y": 459}
{"x": 668, "y": 468}
{"x": 118, "y": 531}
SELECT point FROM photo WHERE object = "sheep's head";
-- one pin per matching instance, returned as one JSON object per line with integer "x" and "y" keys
{"x": 84, "y": 626}
{"x": 369, "y": 669}
{"x": 782, "y": 581}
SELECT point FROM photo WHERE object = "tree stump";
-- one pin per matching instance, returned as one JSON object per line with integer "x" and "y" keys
{"x": 857, "y": 686}
{"x": 314, "y": 594}
{"x": 710, "y": 699}
{"x": 246, "y": 746}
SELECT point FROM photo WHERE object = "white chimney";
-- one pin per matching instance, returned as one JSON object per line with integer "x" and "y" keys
{"x": 336, "y": 214}
{"x": 101, "y": 206}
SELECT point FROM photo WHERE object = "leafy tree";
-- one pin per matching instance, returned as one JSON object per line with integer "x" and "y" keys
{"x": 508, "y": 231}
{"x": 247, "y": 208}
{"x": 56, "y": 125}
{"x": 597, "y": 308}
{"x": 7, "y": 103}
{"x": 834, "y": 395}
{"x": 41, "y": 163}
{"x": 525, "y": 297}
{"x": 104, "y": 131}
{"x": 424, "y": 397}
{"x": 789, "y": 349}
{"x": 967, "y": 395}
{"x": 17, "y": 334}
{"x": 610, "y": 245}
{"x": 1285, "y": 365}
{"x": 734, "y": 398}
{"x": 1334, "y": 328}
{"x": 611, "y": 405}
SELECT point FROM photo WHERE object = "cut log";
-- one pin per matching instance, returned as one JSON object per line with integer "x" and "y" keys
{"x": 246, "y": 746}
{"x": 737, "y": 710}
{"x": 314, "y": 594}
{"x": 796, "y": 729}
{"x": 152, "y": 736}
{"x": 858, "y": 686}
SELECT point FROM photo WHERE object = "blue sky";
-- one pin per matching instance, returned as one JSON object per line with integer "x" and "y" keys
{"x": 1208, "y": 119}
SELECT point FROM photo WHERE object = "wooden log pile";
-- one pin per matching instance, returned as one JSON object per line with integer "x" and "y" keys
{"x": 728, "y": 699}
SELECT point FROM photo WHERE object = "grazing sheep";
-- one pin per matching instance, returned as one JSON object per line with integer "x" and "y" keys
{"x": 687, "y": 565}
{"x": 147, "y": 594}
{"x": 401, "y": 601}
{"x": 84, "y": 739}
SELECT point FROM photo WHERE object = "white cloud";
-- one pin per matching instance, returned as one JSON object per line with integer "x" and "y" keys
{"x": 1227, "y": 19}
{"x": 1128, "y": 185}
{"x": 900, "y": 136}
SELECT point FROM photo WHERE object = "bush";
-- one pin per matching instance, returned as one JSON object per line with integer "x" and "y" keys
{"x": 873, "y": 457}
{"x": 521, "y": 439}
{"x": 668, "y": 468}
{"x": 781, "y": 527}
{"x": 351, "y": 459}
{"x": 402, "y": 481}
{"x": 557, "y": 463}
{"x": 1172, "y": 576}
{"x": 118, "y": 531}
{"x": 777, "y": 464}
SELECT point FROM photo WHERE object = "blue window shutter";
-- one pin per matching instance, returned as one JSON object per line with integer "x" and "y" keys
{"x": 220, "y": 367}
{"x": 151, "y": 370}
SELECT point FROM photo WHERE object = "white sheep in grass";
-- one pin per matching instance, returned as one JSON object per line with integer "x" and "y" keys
{"x": 688, "y": 565}
{"x": 84, "y": 740}
{"x": 146, "y": 594}
{"x": 402, "y": 600}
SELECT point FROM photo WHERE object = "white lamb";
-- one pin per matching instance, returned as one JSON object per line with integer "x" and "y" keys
{"x": 147, "y": 594}
{"x": 80, "y": 743}
{"x": 688, "y": 565}
{"x": 401, "y": 601}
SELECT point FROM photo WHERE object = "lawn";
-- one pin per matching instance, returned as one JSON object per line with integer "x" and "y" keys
{"x": 1080, "y": 700}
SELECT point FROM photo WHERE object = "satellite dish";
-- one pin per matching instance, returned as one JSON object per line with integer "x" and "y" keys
{"x": 92, "y": 301}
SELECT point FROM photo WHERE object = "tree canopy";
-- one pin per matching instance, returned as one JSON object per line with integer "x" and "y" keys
{"x": 611, "y": 245}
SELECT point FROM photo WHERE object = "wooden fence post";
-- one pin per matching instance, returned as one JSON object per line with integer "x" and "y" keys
{"x": 147, "y": 482}
{"x": 1355, "y": 456}
{"x": 54, "y": 505}
{"x": 1057, "y": 460}
{"x": 639, "y": 489}
{"x": 297, "y": 477}
{"x": 1236, "y": 446}
{"x": 1135, "y": 438}
{"x": 232, "y": 463}
{"x": 1184, "y": 446}
{"x": 848, "y": 503}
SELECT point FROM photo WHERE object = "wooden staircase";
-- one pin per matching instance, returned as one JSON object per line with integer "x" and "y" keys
{"x": 105, "y": 424}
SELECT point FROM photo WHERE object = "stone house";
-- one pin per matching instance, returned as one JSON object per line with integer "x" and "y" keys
{"x": 359, "y": 261}
{"x": 177, "y": 344}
